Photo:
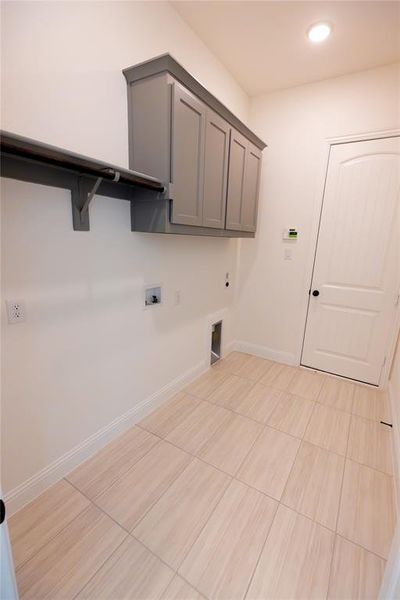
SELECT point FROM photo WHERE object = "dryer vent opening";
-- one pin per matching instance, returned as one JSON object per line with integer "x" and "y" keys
{"x": 216, "y": 332}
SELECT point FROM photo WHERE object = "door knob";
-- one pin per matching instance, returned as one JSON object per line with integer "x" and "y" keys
{"x": 315, "y": 293}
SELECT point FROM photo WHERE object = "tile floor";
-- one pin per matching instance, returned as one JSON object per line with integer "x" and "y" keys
{"x": 258, "y": 481}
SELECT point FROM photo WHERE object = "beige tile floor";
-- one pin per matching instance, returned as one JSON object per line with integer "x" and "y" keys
{"x": 258, "y": 481}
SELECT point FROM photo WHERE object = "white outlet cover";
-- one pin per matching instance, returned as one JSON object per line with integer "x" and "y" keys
{"x": 287, "y": 254}
{"x": 15, "y": 311}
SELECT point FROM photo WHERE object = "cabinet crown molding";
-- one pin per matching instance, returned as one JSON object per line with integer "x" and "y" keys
{"x": 165, "y": 63}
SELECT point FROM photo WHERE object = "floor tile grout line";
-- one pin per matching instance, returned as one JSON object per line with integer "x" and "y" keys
{"x": 181, "y": 471}
{"x": 177, "y": 570}
{"x": 286, "y": 391}
{"x": 202, "y": 447}
{"x": 24, "y": 562}
{"x": 217, "y": 384}
{"x": 253, "y": 384}
{"x": 297, "y": 453}
{"x": 86, "y": 509}
{"x": 327, "y": 447}
{"x": 365, "y": 464}
{"x": 205, "y": 524}
{"x": 280, "y": 503}
{"x": 302, "y": 514}
{"x": 165, "y": 405}
{"x": 118, "y": 479}
{"x": 100, "y": 567}
{"x": 264, "y": 425}
{"x": 174, "y": 571}
{"x": 311, "y": 370}
{"x": 194, "y": 456}
{"x": 249, "y": 451}
{"x": 312, "y": 520}
{"x": 333, "y": 533}
{"x": 338, "y": 511}
{"x": 261, "y": 552}
{"x": 335, "y": 407}
{"x": 233, "y": 477}
{"x": 343, "y": 537}
{"x": 66, "y": 477}
{"x": 131, "y": 534}
{"x": 228, "y": 524}
{"x": 324, "y": 375}
{"x": 93, "y": 501}
{"x": 342, "y": 482}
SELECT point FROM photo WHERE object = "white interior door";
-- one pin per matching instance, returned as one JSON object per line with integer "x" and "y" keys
{"x": 357, "y": 263}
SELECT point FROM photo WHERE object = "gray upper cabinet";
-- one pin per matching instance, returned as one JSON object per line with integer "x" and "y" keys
{"x": 215, "y": 170}
{"x": 252, "y": 173}
{"x": 207, "y": 158}
{"x": 237, "y": 163}
{"x": 243, "y": 184}
{"x": 187, "y": 156}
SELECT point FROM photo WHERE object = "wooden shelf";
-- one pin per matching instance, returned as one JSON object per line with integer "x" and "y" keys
{"x": 29, "y": 160}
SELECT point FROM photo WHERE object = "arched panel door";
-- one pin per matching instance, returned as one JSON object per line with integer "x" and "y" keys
{"x": 355, "y": 287}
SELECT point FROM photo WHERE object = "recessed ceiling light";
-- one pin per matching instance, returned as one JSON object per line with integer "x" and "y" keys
{"x": 319, "y": 32}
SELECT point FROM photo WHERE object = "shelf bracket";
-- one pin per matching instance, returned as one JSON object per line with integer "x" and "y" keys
{"x": 81, "y": 196}
{"x": 90, "y": 195}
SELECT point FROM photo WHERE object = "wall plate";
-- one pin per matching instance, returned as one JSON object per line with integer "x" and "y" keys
{"x": 152, "y": 295}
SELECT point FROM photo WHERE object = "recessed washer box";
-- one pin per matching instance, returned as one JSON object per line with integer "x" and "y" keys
{"x": 152, "y": 296}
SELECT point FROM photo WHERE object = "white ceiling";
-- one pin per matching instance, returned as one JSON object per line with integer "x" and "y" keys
{"x": 265, "y": 47}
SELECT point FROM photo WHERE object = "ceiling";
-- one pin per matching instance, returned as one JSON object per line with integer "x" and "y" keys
{"x": 265, "y": 47}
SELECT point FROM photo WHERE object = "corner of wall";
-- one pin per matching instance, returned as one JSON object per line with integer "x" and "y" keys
{"x": 395, "y": 441}
{"x": 38, "y": 483}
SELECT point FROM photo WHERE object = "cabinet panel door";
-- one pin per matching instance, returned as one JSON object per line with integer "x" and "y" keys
{"x": 236, "y": 177}
{"x": 215, "y": 170}
{"x": 188, "y": 133}
{"x": 251, "y": 188}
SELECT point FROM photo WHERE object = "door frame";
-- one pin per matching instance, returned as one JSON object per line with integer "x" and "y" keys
{"x": 326, "y": 147}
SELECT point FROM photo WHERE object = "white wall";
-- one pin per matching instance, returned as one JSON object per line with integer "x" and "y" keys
{"x": 88, "y": 352}
{"x": 394, "y": 394}
{"x": 395, "y": 380}
{"x": 391, "y": 582}
{"x": 273, "y": 293}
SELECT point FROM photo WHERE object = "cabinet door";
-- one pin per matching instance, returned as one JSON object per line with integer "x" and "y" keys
{"x": 215, "y": 170}
{"x": 243, "y": 184}
{"x": 251, "y": 187}
{"x": 187, "y": 154}
{"x": 237, "y": 163}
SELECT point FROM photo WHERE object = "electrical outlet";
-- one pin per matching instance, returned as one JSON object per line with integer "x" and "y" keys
{"x": 15, "y": 311}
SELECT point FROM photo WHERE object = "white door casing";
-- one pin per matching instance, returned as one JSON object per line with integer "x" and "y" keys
{"x": 357, "y": 263}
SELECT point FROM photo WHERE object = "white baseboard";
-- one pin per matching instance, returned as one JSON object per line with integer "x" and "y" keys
{"x": 264, "y": 352}
{"x": 396, "y": 442}
{"x": 38, "y": 483}
{"x": 228, "y": 348}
